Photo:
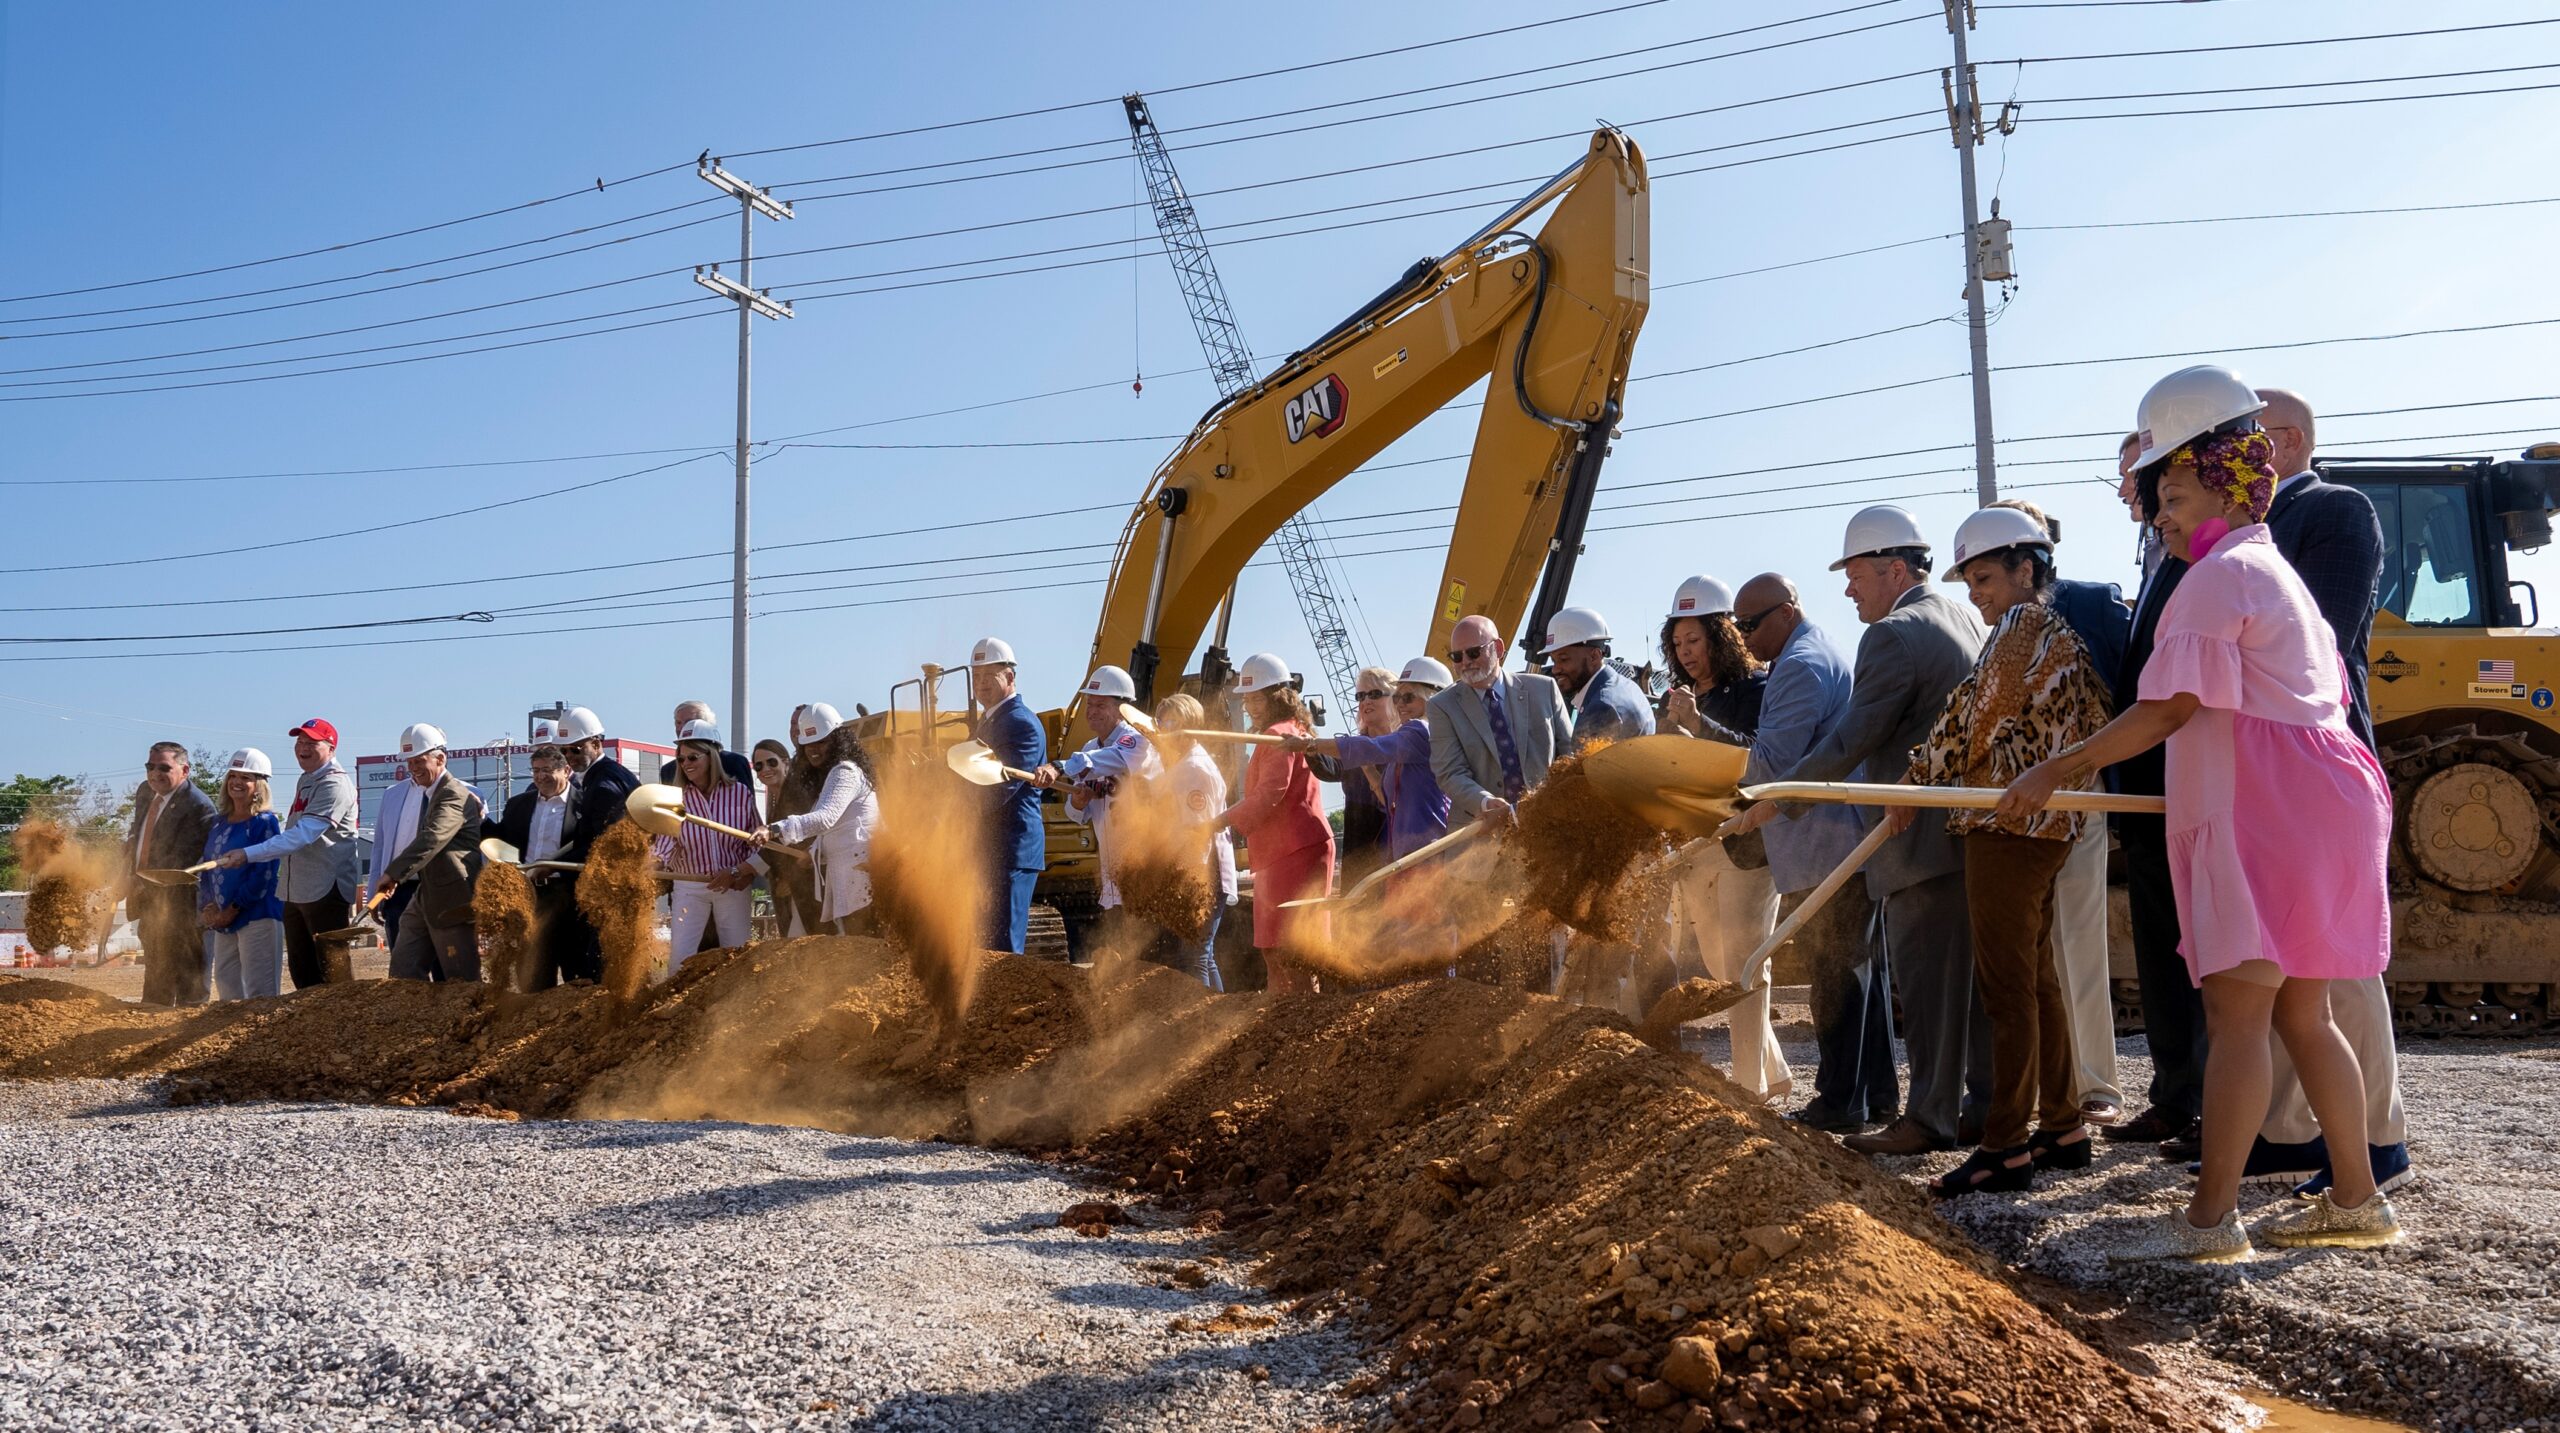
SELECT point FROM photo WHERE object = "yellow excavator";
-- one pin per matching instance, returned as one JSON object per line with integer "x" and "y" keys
{"x": 1549, "y": 316}
{"x": 2464, "y": 689}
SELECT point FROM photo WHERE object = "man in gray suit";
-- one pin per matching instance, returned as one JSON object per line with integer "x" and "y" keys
{"x": 1918, "y": 645}
{"x": 438, "y": 836}
{"x": 1493, "y": 734}
{"x": 170, "y": 820}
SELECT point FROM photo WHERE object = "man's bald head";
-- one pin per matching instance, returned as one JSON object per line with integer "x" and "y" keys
{"x": 2287, "y": 419}
{"x": 1475, "y": 651}
{"x": 1766, "y": 611}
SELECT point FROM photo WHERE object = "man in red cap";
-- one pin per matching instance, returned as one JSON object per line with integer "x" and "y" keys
{"x": 318, "y": 849}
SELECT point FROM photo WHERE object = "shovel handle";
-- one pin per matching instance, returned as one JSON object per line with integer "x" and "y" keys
{"x": 1821, "y": 895}
{"x": 1460, "y": 837}
{"x": 1952, "y": 798}
{"x": 706, "y": 823}
{"x": 1233, "y": 738}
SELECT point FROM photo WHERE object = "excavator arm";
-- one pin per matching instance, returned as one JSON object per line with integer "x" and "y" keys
{"x": 1550, "y": 317}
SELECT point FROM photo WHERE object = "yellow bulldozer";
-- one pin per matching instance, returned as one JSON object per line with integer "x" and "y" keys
{"x": 2464, "y": 684}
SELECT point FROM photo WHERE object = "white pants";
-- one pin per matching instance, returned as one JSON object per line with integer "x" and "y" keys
{"x": 2080, "y": 946}
{"x": 2362, "y": 1009}
{"x": 248, "y": 959}
{"x": 1720, "y": 914}
{"x": 696, "y": 907}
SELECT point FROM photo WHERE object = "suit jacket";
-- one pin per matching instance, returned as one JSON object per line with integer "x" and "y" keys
{"x": 1463, "y": 756}
{"x": 1909, "y": 662}
{"x": 515, "y": 827}
{"x": 1013, "y": 809}
{"x": 439, "y": 857}
{"x": 602, "y": 788}
{"x": 2145, "y": 774}
{"x": 1610, "y": 706}
{"x": 2104, "y": 624}
{"x": 176, "y": 841}
{"x": 2329, "y": 532}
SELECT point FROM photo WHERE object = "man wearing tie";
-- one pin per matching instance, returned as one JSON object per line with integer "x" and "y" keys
{"x": 170, "y": 820}
{"x": 1493, "y": 734}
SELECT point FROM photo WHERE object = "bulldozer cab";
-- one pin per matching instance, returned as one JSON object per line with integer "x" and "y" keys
{"x": 2446, "y": 530}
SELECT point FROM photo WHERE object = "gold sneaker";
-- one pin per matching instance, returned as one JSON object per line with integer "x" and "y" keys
{"x": 2170, "y": 1237}
{"x": 2318, "y": 1222}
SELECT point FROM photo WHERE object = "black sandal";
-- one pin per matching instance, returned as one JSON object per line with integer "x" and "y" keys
{"x": 1986, "y": 1171}
{"x": 2052, "y": 1151}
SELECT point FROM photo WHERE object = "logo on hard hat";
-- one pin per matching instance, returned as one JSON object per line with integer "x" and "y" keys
{"x": 1318, "y": 411}
{"x": 1685, "y": 603}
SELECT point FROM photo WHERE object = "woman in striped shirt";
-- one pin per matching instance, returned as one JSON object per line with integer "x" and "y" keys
{"x": 715, "y": 874}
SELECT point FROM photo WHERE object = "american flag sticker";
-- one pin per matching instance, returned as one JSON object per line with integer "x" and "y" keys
{"x": 2503, "y": 670}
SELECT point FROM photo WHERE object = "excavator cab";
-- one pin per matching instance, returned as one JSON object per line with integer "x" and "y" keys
{"x": 2463, "y": 689}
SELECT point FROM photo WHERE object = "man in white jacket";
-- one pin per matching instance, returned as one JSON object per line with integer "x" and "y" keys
{"x": 1092, "y": 774}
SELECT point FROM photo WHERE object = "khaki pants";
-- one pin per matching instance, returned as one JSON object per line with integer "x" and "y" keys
{"x": 2362, "y": 1009}
{"x": 1720, "y": 914}
{"x": 2009, "y": 883}
{"x": 2080, "y": 941}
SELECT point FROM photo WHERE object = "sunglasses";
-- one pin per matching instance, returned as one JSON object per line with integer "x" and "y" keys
{"x": 1371, "y": 695}
{"x": 160, "y": 766}
{"x": 1748, "y": 625}
{"x": 1464, "y": 655}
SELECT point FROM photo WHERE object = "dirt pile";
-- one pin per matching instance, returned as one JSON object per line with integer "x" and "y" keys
{"x": 1574, "y": 850}
{"x": 68, "y": 902}
{"x": 928, "y": 860}
{"x": 1548, "y": 1219}
{"x": 502, "y": 913}
{"x": 619, "y": 898}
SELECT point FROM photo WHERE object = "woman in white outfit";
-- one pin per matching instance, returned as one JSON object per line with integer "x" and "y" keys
{"x": 715, "y": 873}
{"x": 1723, "y": 910}
{"x": 1199, "y": 792}
{"x": 837, "y": 829}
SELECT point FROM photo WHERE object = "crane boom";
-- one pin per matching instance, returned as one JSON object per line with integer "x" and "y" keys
{"x": 1232, "y": 367}
{"x": 1550, "y": 317}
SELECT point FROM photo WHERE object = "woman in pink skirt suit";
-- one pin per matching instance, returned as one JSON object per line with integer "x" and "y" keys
{"x": 2278, "y": 817}
{"x": 1281, "y": 817}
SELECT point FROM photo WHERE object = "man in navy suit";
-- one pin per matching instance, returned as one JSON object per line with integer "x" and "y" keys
{"x": 603, "y": 785}
{"x": 2329, "y": 532}
{"x": 1015, "y": 843}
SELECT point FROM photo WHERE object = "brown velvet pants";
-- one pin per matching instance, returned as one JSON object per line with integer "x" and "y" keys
{"x": 2008, "y": 884}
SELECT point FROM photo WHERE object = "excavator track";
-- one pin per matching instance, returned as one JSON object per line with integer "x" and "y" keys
{"x": 2475, "y": 884}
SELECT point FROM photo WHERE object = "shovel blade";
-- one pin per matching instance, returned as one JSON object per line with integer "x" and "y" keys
{"x": 974, "y": 763}
{"x": 1675, "y": 782}
{"x": 656, "y": 809}
{"x": 500, "y": 852}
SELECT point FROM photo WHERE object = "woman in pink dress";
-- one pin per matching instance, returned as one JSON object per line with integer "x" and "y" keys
{"x": 2278, "y": 817}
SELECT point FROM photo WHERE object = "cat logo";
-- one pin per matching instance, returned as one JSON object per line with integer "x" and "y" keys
{"x": 1318, "y": 411}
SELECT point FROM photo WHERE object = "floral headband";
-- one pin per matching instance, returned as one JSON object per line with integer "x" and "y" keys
{"x": 2240, "y": 467}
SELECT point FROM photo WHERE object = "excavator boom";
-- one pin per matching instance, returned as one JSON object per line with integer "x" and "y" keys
{"x": 1550, "y": 317}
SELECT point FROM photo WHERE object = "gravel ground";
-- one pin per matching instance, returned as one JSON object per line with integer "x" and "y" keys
{"x": 2457, "y": 1327}
{"x": 290, "y": 1265}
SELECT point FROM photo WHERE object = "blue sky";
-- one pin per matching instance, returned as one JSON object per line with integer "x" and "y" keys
{"x": 219, "y": 135}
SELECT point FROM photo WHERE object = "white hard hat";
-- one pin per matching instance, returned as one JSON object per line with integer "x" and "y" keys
{"x": 1260, "y": 673}
{"x": 419, "y": 740}
{"x": 2188, "y": 404}
{"x": 1991, "y": 530}
{"x": 1700, "y": 596}
{"x": 252, "y": 761}
{"x": 1109, "y": 682}
{"x": 1882, "y": 528}
{"x": 1426, "y": 672}
{"x": 814, "y": 721}
{"x": 1571, "y": 628}
{"x": 991, "y": 652}
{"x": 577, "y": 724}
{"x": 701, "y": 729}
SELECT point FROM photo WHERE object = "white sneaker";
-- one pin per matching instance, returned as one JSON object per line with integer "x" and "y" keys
{"x": 2318, "y": 1222}
{"x": 2170, "y": 1237}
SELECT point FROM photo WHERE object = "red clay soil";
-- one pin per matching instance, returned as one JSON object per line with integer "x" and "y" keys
{"x": 1545, "y": 1218}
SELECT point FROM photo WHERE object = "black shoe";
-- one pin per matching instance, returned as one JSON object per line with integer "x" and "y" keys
{"x": 1986, "y": 1171}
{"x": 1901, "y": 1138}
{"x": 2186, "y": 1148}
{"x": 1968, "y": 1129}
{"x": 2152, "y": 1126}
{"x": 2053, "y": 1152}
{"x": 1827, "y": 1118}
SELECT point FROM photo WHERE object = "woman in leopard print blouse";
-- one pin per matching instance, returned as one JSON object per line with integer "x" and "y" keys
{"x": 2033, "y": 692}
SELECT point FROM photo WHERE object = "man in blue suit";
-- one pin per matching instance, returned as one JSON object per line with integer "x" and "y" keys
{"x": 1015, "y": 846}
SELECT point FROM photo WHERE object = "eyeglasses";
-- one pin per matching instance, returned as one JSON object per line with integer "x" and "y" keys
{"x": 1464, "y": 655}
{"x": 1748, "y": 625}
{"x": 1370, "y": 696}
{"x": 160, "y": 766}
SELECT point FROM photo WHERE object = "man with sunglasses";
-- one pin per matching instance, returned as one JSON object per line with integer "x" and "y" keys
{"x": 1493, "y": 734}
{"x": 171, "y": 818}
{"x": 1808, "y": 691}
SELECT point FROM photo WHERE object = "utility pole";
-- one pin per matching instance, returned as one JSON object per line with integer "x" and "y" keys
{"x": 751, "y": 202}
{"x": 1964, "y": 118}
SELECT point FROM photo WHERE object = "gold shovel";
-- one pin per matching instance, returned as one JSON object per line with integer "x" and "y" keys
{"x": 364, "y": 919}
{"x": 659, "y": 810}
{"x": 976, "y": 763}
{"x": 167, "y": 876}
{"x": 503, "y": 853}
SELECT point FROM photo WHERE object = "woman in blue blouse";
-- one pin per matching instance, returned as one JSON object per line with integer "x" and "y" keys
{"x": 242, "y": 916}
